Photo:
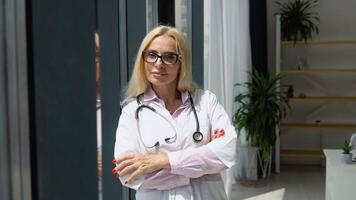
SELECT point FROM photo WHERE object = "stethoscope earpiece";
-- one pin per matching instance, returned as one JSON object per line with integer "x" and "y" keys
{"x": 168, "y": 140}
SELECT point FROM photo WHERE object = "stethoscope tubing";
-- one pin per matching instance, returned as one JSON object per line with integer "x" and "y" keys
{"x": 195, "y": 113}
{"x": 197, "y": 135}
{"x": 167, "y": 140}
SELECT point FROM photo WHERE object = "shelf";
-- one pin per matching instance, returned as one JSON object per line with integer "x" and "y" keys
{"x": 314, "y": 70}
{"x": 323, "y": 91}
{"x": 302, "y": 154}
{"x": 333, "y": 98}
{"x": 320, "y": 42}
{"x": 314, "y": 125}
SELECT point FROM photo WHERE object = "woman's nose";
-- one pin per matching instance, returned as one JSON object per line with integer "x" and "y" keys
{"x": 159, "y": 63}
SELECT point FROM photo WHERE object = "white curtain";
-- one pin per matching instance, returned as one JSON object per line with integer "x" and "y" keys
{"x": 151, "y": 14}
{"x": 227, "y": 55}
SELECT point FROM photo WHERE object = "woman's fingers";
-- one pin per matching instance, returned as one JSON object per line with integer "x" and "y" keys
{"x": 124, "y": 164}
{"x": 122, "y": 158}
{"x": 218, "y": 133}
{"x": 221, "y": 133}
{"x": 129, "y": 169}
{"x": 121, "y": 166}
{"x": 129, "y": 164}
{"x": 140, "y": 171}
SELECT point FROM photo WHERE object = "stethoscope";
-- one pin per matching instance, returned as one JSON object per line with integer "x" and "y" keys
{"x": 197, "y": 135}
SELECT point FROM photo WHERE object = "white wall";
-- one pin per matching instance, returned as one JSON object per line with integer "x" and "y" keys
{"x": 337, "y": 22}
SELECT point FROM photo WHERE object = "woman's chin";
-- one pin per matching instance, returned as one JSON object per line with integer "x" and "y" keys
{"x": 161, "y": 81}
{"x": 158, "y": 82}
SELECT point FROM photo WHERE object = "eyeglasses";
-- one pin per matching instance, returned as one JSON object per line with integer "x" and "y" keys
{"x": 166, "y": 58}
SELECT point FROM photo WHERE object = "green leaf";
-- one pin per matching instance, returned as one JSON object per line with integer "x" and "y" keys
{"x": 261, "y": 108}
{"x": 298, "y": 20}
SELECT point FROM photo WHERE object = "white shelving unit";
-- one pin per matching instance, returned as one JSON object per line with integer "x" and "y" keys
{"x": 324, "y": 102}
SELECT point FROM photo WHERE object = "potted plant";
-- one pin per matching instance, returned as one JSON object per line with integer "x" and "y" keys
{"x": 261, "y": 108}
{"x": 298, "y": 20}
{"x": 346, "y": 156}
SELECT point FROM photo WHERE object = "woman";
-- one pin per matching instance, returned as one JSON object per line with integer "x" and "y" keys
{"x": 172, "y": 139}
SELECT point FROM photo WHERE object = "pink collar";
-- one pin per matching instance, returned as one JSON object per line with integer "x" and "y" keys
{"x": 150, "y": 95}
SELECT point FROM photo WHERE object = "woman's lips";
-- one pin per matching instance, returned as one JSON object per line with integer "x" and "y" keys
{"x": 158, "y": 74}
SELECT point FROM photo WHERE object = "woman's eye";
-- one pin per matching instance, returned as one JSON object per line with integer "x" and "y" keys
{"x": 170, "y": 58}
{"x": 152, "y": 55}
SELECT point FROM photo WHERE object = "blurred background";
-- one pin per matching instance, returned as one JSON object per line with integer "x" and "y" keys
{"x": 64, "y": 64}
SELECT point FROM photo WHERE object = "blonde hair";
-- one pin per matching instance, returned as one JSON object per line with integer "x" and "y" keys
{"x": 138, "y": 83}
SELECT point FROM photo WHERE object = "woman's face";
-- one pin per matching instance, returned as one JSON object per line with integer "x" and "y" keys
{"x": 162, "y": 73}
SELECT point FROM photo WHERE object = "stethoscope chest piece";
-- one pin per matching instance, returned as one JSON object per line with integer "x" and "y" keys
{"x": 197, "y": 136}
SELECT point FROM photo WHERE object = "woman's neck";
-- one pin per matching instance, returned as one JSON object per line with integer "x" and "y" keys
{"x": 168, "y": 93}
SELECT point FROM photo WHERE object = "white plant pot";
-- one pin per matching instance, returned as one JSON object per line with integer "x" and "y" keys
{"x": 246, "y": 169}
{"x": 346, "y": 158}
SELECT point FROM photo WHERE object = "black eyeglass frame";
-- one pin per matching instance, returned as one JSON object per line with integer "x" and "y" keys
{"x": 178, "y": 57}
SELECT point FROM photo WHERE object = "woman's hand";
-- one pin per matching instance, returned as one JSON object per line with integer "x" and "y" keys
{"x": 139, "y": 164}
{"x": 218, "y": 133}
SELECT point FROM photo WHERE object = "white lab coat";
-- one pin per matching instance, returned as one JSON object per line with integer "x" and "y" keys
{"x": 195, "y": 166}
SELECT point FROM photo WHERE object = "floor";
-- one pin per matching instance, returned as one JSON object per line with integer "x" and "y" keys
{"x": 292, "y": 183}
